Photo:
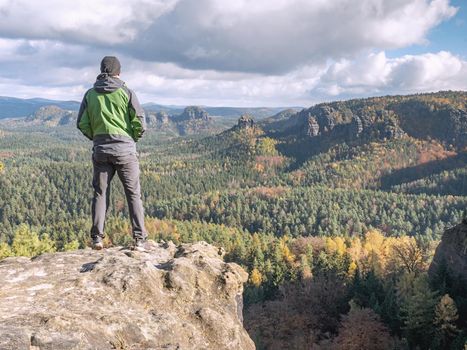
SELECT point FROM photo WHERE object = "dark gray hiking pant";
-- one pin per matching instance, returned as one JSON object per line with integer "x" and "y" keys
{"x": 127, "y": 168}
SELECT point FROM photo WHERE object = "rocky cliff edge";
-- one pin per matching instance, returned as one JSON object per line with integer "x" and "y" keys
{"x": 451, "y": 256}
{"x": 169, "y": 297}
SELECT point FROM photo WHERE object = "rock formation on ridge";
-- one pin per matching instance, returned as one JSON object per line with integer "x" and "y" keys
{"x": 193, "y": 113}
{"x": 170, "y": 297}
{"x": 245, "y": 122}
{"x": 193, "y": 120}
{"x": 157, "y": 119}
{"x": 52, "y": 116}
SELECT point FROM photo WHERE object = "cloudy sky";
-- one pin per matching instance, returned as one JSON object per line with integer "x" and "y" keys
{"x": 236, "y": 53}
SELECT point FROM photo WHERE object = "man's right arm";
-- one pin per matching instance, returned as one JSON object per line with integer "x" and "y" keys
{"x": 83, "y": 123}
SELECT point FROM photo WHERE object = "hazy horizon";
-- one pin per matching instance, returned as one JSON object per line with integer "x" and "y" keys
{"x": 234, "y": 106}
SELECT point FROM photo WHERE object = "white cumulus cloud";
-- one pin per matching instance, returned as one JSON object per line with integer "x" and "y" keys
{"x": 267, "y": 36}
{"x": 377, "y": 73}
{"x": 83, "y": 21}
{"x": 276, "y": 36}
{"x": 242, "y": 52}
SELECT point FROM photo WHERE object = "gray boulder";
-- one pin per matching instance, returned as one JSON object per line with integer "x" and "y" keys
{"x": 169, "y": 297}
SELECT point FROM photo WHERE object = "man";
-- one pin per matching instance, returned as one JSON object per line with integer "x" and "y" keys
{"x": 111, "y": 116}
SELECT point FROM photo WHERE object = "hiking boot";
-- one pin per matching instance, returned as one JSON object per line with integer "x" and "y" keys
{"x": 97, "y": 243}
{"x": 139, "y": 245}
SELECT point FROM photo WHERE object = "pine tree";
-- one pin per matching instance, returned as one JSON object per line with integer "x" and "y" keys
{"x": 72, "y": 245}
{"x": 418, "y": 311}
{"x": 28, "y": 243}
{"x": 5, "y": 250}
{"x": 445, "y": 321}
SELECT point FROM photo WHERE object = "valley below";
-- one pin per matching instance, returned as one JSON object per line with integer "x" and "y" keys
{"x": 335, "y": 211}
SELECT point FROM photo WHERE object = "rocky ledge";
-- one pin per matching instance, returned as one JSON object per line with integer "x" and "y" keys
{"x": 450, "y": 259}
{"x": 169, "y": 297}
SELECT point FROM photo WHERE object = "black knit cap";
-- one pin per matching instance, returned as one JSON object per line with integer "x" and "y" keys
{"x": 110, "y": 65}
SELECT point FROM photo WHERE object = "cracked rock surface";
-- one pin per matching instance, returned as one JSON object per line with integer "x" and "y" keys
{"x": 168, "y": 297}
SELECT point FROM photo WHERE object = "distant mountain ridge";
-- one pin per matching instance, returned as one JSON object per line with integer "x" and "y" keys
{"x": 12, "y": 107}
{"x": 256, "y": 112}
{"x": 193, "y": 120}
{"x": 188, "y": 121}
{"x": 441, "y": 116}
{"x": 52, "y": 116}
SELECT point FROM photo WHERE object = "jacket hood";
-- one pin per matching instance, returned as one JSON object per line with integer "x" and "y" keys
{"x": 106, "y": 83}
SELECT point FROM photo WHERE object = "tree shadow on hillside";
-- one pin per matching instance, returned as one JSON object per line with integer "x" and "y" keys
{"x": 423, "y": 170}
{"x": 304, "y": 149}
{"x": 300, "y": 151}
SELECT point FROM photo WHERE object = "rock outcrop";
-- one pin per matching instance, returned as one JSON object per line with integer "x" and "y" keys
{"x": 52, "y": 116}
{"x": 169, "y": 297}
{"x": 193, "y": 113}
{"x": 245, "y": 122}
{"x": 312, "y": 128}
{"x": 318, "y": 120}
{"x": 355, "y": 127}
{"x": 326, "y": 117}
{"x": 451, "y": 256}
{"x": 193, "y": 120}
{"x": 158, "y": 119}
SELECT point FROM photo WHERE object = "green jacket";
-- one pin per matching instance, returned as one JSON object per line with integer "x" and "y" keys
{"x": 111, "y": 116}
